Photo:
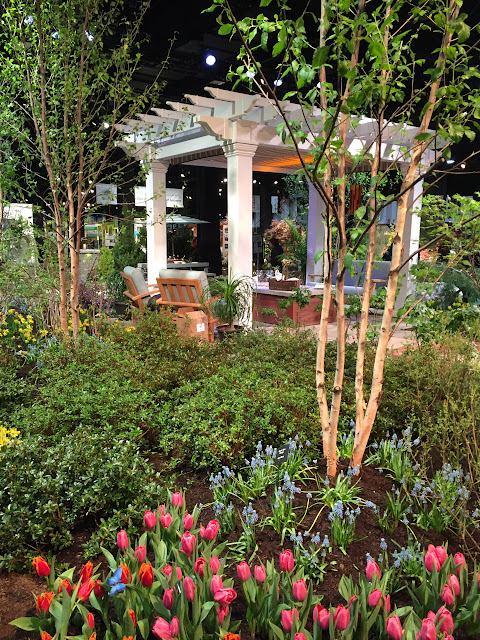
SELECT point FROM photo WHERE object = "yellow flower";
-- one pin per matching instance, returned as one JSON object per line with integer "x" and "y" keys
{"x": 11, "y": 311}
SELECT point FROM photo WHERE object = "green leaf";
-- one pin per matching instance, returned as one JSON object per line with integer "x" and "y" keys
{"x": 320, "y": 57}
{"x": 265, "y": 3}
{"x": 276, "y": 630}
{"x": 225, "y": 29}
{"x": 206, "y": 609}
{"x": 144, "y": 627}
{"x": 278, "y": 48}
{"x": 348, "y": 261}
{"x": 112, "y": 563}
{"x": 27, "y": 624}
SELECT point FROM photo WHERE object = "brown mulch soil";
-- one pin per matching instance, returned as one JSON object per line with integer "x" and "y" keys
{"x": 16, "y": 589}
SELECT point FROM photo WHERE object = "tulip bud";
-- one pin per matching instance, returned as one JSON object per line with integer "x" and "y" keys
{"x": 189, "y": 588}
{"x": 199, "y": 566}
{"x": 394, "y": 628}
{"x": 45, "y": 636}
{"x": 44, "y": 600}
{"x": 374, "y": 598}
{"x": 286, "y": 561}
{"x": 41, "y": 566}
{"x": 145, "y": 574}
{"x": 161, "y": 510}
{"x": 460, "y": 562}
{"x": 66, "y": 585}
{"x": 90, "y": 620}
{"x": 259, "y": 573}
{"x": 188, "y": 543}
{"x": 98, "y": 589}
{"x": 341, "y": 617}
{"x": 168, "y": 599}
{"x": 167, "y": 570}
{"x": 428, "y": 631}
{"x": 177, "y": 499}
{"x": 445, "y": 617}
{"x": 431, "y": 560}
{"x": 216, "y": 584}
{"x": 454, "y": 584}
{"x": 287, "y": 619}
{"x": 447, "y": 595}
{"x": 210, "y": 531}
{"x": 299, "y": 590}
{"x": 126, "y": 575}
{"x": 166, "y": 520}
{"x": 441, "y": 554}
{"x": 85, "y": 590}
{"x": 174, "y": 627}
{"x": 222, "y": 613}
{"x": 243, "y": 571}
{"x": 387, "y": 603}
{"x": 352, "y": 599}
{"x": 141, "y": 553}
{"x": 372, "y": 570}
{"x": 178, "y": 571}
{"x": 187, "y": 521}
{"x": 322, "y": 616}
{"x": 161, "y": 629}
{"x": 300, "y": 636}
{"x": 214, "y": 564}
{"x": 86, "y": 572}
{"x": 122, "y": 540}
{"x": 150, "y": 519}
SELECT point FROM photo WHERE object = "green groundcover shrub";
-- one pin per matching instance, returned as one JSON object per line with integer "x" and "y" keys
{"x": 45, "y": 490}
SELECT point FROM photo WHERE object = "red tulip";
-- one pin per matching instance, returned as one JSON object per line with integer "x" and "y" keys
{"x": 167, "y": 570}
{"x": 122, "y": 540}
{"x": 126, "y": 575}
{"x": 133, "y": 616}
{"x": 188, "y": 543}
{"x": 210, "y": 531}
{"x": 44, "y": 600}
{"x": 45, "y": 636}
{"x": 374, "y": 598}
{"x": 168, "y": 599}
{"x": 98, "y": 589}
{"x": 216, "y": 584}
{"x": 162, "y": 629}
{"x": 341, "y": 617}
{"x": 87, "y": 572}
{"x": 41, "y": 566}
{"x": 178, "y": 571}
{"x": 66, "y": 584}
{"x": 394, "y": 628}
{"x": 243, "y": 571}
{"x": 145, "y": 574}
{"x": 259, "y": 573}
{"x": 287, "y": 619}
{"x": 447, "y": 595}
{"x": 187, "y": 521}
{"x": 372, "y": 570}
{"x": 150, "y": 519}
{"x": 85, "y": 590}
{"x": 189, "y": 588}
{"x": 428, "y": 631}
{"x": 214, "y": 564}
{"x": 286, "y": 561}
{"x": 177, "y": 499}
{"x": 199, "y": 566}
{"x": 174, "y": 627}
{"x": 454, "y": 584}
{"x": 460, "y": 562}
{"x": 90, "y": 620}
{"x": 321, "y": 616}
{"x": 222, "y": 613}
{"x": 300, "y": 636}
{"x": 166, "y": 520}
{"x": 141, "y": 553}
{"x": 225, "y": 596}
{"x": 299, "y": 590}
{"x": 445, "y": 616}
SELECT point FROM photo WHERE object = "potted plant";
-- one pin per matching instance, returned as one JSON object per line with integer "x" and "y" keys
{"x": 234, "y": 302}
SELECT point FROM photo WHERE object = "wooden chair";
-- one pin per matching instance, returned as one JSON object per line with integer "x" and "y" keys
{"x": 187, "y": 293}
{"x": 138, "y": 291}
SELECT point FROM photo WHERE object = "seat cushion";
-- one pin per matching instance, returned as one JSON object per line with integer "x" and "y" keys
{"x": 136, "y": 275}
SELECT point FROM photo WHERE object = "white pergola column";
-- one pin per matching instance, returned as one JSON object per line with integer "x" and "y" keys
{"x": 239, "y": 206}
{"x": 411, "y": 242}
{"x": 315, "y": 233}
{"x": 156, "y": 196}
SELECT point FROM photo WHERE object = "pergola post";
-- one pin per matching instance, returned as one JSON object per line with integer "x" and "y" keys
{"x": 411, "y": 241}
{"x": 239, "y": 206}
{"x": 156, "y": 219}
{"x": 315, "y": 234}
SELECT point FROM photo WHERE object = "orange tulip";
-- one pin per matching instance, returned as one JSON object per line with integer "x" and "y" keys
{"x": 145, "y": 574}
{"x": 44, "y": 600}
{"x": 41, "y": 566}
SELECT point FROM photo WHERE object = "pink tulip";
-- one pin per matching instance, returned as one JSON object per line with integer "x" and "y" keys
{"x": 454, "y": 584}
{"x": 167, "y": 570}
{"x": 259, "y": 573}
{"x": 122, "y": 540}
{"x": 286, "y": 561}
{"x": 216, "y": 584}
{"x": 177, "y": 499}
{"x": 214, "y": 564}
{"x": 187, "y": 521}
{"x": 225, "y": 596}
{"x": 431, "y": 560}
{"x": 166, "y": 520}
{"x": 387, "y": 603}
{"x": 162, "y": 630}
{"x": 447, "y": 595}
{"x": 372, "y": 570}
{"x": 178, "y": 571}
{"x": 222, "y": 613}
{"x": 441, "y": 554}
{"x": 352, "y": 599}
{"x": 287, "y": 619}
{"x": 161, "y": 510}
{"x": 150, "y": 519}
{"x": 210, "y": 531}
{"x": 341, "y": 617}
{"x": 428, "y": 631}
{"x": 168, "y": 599}
{"x": 188, "y": 543}
{"x": 199, "y": 566}
{"x": 300, "y": 636}
{"x": 460, "y": 562}
{"x": 141, "y": 553}
{"x": 445, "y": 616}
{"x": 299, "y": 590}
{"x": 321, "y": 616}
{"x": 394, "y": 628}
{"x": 374, "y": 598}
{"x": 175, "y": 627}
{"x": 243, "y": 571}
{"x": 189, "y": 588}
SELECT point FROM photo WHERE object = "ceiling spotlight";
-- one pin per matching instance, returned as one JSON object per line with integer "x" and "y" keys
{"x": 254, "y": 182}
{"x": 451, "y": 161}
{"x": 319, "y": 85}
{"x": 210, "y": 60}
{"x": 276, "y": 182}
{"x": 225, "y": 180}
{"x": 463, "y": 165}
{"x": 278, "y": 83}
{"x": 182, "y": 175}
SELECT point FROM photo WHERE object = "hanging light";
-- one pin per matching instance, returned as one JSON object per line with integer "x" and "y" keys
{"x": 210, "y": 59}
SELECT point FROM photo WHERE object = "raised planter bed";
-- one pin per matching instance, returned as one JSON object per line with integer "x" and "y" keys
{"x": 265, "y": 303}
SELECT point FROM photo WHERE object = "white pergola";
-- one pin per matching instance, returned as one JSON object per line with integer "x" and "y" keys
{"x": 238, "y": 132}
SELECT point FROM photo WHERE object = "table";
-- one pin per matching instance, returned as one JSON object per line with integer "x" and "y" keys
{"x": 267, "y": 299}
{"x": 193, "y": 266}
